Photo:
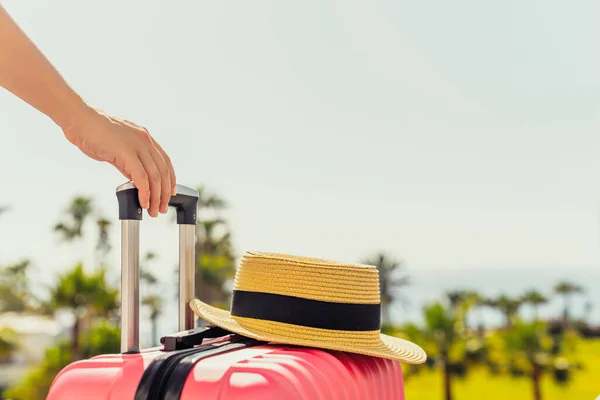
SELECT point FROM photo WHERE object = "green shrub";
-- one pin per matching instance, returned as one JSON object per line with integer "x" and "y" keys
{"x": 102, "y": 338}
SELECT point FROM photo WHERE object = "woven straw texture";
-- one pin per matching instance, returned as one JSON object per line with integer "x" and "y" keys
{"x": 314, "y": 279}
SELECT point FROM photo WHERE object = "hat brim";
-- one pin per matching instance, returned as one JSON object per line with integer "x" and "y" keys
{"x": 277, "y": 332}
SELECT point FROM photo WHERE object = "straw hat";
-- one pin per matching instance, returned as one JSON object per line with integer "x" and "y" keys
{"x": 309, "y": 302}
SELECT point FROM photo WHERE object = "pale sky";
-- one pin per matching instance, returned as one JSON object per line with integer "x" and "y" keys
{"x": 456, "y": 134}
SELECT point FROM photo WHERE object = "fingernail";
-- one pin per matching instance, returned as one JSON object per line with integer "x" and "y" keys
{"x": 163, "y": 209}
{"x": 174, "y": 191}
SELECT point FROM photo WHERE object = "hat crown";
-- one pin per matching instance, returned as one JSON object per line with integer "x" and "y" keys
{"x": 308, "y": 278}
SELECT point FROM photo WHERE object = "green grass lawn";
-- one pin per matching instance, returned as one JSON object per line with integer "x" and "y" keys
{"x": 479, "y": 384}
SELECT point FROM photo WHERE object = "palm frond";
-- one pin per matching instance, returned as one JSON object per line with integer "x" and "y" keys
{"x": 401, "y": 281}
{"x": 566, "y": 287}
{"x": 147, "y": 276}
{"x": 150, "y": 255}
{"x": 103, "y": 238}
{"x": 209, "y": 200}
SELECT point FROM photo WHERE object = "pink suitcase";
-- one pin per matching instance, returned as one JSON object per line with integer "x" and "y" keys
{"x": 210, "y": 363}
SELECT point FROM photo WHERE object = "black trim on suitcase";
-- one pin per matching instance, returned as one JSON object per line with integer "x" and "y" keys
{"x": 153, "y": 375}
{"x": 174, "y": 386}
{"x": 156, "y": 382}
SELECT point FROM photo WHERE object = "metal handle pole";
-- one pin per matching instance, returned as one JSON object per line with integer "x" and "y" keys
{"x": 130, "y": 214}
{"x": 130, "y": 289}
{"x": 187, "y": 265}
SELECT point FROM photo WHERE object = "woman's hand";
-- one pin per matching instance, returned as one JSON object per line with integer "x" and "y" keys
{"x": 25, "y": 72}
{"x": 129, "y": 148}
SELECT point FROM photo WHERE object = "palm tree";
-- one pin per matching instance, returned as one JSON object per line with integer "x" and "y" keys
{"x": 215, "y": 260}
{"x": 207, "y": 200}
{"x": 14, "y": 287}
{"x": 154, "y": 304}
{"x": 213, "y": 271}
{"x": 83, "y": 294}
{"x": 388, "y": 282}
{"x": 103, "y": 337}
{"x": 526, "y": 340}
{"x": 146, "y": 276}
{"x": 461, "y": 302}
{"x": 587, "y": 309}
{"x": 441, "y": 334}
{"x": 507, "y": 306}
{"x": 77, "y": 212}
{"x": 535, "y": 299}
{"x": 3, "y": 209}
{"x": 71, "y": 229}
{"x": 477, "y": 302}
{"x": 566, "y": 289}
{"x": 211, "y": 241}
{"x": 529, "y": 346}
{"x": 9, "y": 300}
{"x": 456, "y": 298}
{"x": 152, "y": 301}
{"x": 103, "y": 247}
{"x": 8, "y": 343}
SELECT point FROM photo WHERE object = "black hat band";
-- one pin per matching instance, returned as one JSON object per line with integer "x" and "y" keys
{"x": 306, "y": 312}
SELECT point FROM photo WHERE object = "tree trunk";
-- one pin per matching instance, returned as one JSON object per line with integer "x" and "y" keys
{"x": 508, "y": 324}
{"x": 480, "y": 323}
{"x": 566, "y": 312}
{"x": 75, "y": 339}
{"x": 447, "y": 382}
{"x": 565, "y": 317}
{"x": 481, "y": 331}
{"x": 154, "y": 339}
{"x": 386, "y": 314}
{"x": 536, "y": 378}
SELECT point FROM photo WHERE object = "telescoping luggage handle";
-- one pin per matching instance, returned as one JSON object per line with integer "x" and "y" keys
{"x": 130, "y": 214}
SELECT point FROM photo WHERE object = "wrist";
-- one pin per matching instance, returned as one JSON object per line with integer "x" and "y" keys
{"x": 71, "y": 110}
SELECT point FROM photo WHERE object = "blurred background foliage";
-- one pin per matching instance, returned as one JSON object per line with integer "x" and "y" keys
{"x": 521, "y": 359}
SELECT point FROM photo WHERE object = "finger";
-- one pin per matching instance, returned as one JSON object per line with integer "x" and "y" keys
{"x": 165, "y": 180}
{"x": 134, "y": 170}
{"x": 154, "y": 180}
{"x": 121, "y": 170}
{"x": 169, "y": 166}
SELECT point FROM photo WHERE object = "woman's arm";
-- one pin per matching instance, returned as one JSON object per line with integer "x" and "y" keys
{"x": 25, "y": 72}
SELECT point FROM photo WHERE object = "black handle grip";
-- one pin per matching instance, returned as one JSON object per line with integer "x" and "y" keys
{"x": 185, "y": 202}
